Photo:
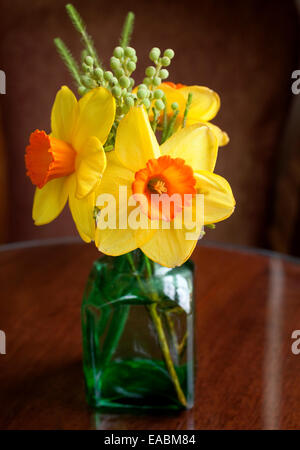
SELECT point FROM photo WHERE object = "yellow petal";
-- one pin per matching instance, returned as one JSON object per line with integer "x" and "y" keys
{"x": 173, "y": 96}
{"x": 91, "y": 166}
{"x": 219, "y": 202}
{"x": 118, "y": 241}
{"x": 205, "y": 102}
{"x": 49, "y": 201}
{"x": 96, "y": 114}
{"x": 169, "y": 248}
{"x": 64, "y": 114}
{"x": 196, "y": 144}
{"x": 222, "y": 136}
{"x": 135, "y": 141}
{"x": 82, "y": 211}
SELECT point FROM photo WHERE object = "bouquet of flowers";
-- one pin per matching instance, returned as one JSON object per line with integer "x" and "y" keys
{"x": 135, "y": 162}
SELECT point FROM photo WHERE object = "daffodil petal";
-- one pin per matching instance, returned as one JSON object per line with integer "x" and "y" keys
{"x": 64, "y": 114}
{"x": 82, "y": 211}
{"x": 205, "y": 102}
{"x": 135, "y": 141}
{"x": 169, "y": 248}
{"x": 91, "y": 166}
{"x": 49, "y": 201}
{"x": 222, "y": 136}
{"x": 96, "y": 114}
{"x": 196, "y": 144}
{"x": 219, "y": 202}
{"x": 121, "y": 238}
{"x": 173, "y": 96}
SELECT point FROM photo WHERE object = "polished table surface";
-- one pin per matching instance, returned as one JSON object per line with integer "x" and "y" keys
{"x": 248, "y": 305}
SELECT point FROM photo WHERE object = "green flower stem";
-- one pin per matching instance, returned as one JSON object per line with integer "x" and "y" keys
{"x": 163, "y": 341}
{"x": 127, "y": 30}
{"x": 166, "y": 353}
{"x": 68, "y": 59}
{"x": 187, "y": 108}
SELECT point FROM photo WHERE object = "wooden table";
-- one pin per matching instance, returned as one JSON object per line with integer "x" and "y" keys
{"x": 248, "y": 305}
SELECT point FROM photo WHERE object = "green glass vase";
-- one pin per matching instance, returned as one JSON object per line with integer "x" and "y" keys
{"x": 138, "y": 337}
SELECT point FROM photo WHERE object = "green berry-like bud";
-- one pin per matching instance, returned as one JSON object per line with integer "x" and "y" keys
{"x": 163, "y": 73}
{"x": 118, "y": 52}
{"x": 114, "y": 63}
{"x": 124, "y": 82}
{"x": 158, "y": 94}
{"x": 174, "y": 106}
{"x": 154, "y": 54}
{"x": 116, "y": 91}
{"x": 159, "y": 104}
{"x": 131, "y": 82}
{"x": 86, "y": 68}
{"x": 150, "y": 71}
{"x": 169, "y": 53}
{"x": 108, "y": 75}
{"x": 130, "y": 52}
{"x": 142, "y": 86}
{"x": 114, "y": 81}
{"x": 129, "y": 101}
{"x": 131, "y": 66}
{"x": 119, "y": 72}
{"x": 98, "y": 73}
{"x": 142, "y": 93}
{"x": 147, "y": 81}
{"x": 82, "y": 90}
{"x": 134, "y": 59}
{"x": 146, "y": 103}
{"x": 165, "y": 61}
{"x": 156, "y": 81}
{"x": 89, "y": 61}
{"x": 87, "y": 81}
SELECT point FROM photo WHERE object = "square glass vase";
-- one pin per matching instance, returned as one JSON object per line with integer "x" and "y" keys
{"x": 138, "y": 334}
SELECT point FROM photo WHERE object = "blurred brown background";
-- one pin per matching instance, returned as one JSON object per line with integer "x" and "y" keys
{"x": 246, "y": 51}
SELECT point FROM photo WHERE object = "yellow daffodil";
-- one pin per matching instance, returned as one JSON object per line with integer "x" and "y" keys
{"x": 68, "y": 163}
{"x": 184, "y": 164}
{"x": 204, "y": 107}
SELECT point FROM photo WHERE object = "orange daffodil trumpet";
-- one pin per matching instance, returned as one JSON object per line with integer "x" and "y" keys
{"x": 68, "y": 163}
{"x": 184, "y": 164}
{"x": 204, "y": 106}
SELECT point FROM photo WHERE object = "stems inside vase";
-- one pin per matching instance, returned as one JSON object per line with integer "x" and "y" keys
{"x": 159, "y": 329}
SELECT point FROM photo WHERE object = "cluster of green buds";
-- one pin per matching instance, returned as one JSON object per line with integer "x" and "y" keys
{"x": 91, "y": 74}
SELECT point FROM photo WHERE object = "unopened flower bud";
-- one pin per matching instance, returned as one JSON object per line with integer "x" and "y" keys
{"x": 108, "y": 75}
{"x": 150, "y": 71}
{"x": 131, "y": 66}
{"x": 118, "y": 52}
{"x": 146, "y": 103}
{"x": 130, "y": 52}
{"x": 169, "y": 53}
{"x": 163, "y": 73}
{"x": 165, "y": 61}
{"x": 129, "y": 101}
{"x": 116, "y": 91}
{"x": 154, "y": 54}
{"x": 156, "y": 81}
{"x": 89, "y": 61}
{"x": 174, "y": 106}
{"x": 98, "y": 73}
{"x": 158, "y": 94}
{"x": 124, "y": 82}
{"x": 142, "y": 93}
{"x": 114, "y": 63}
{"x": 159, "y": 104}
